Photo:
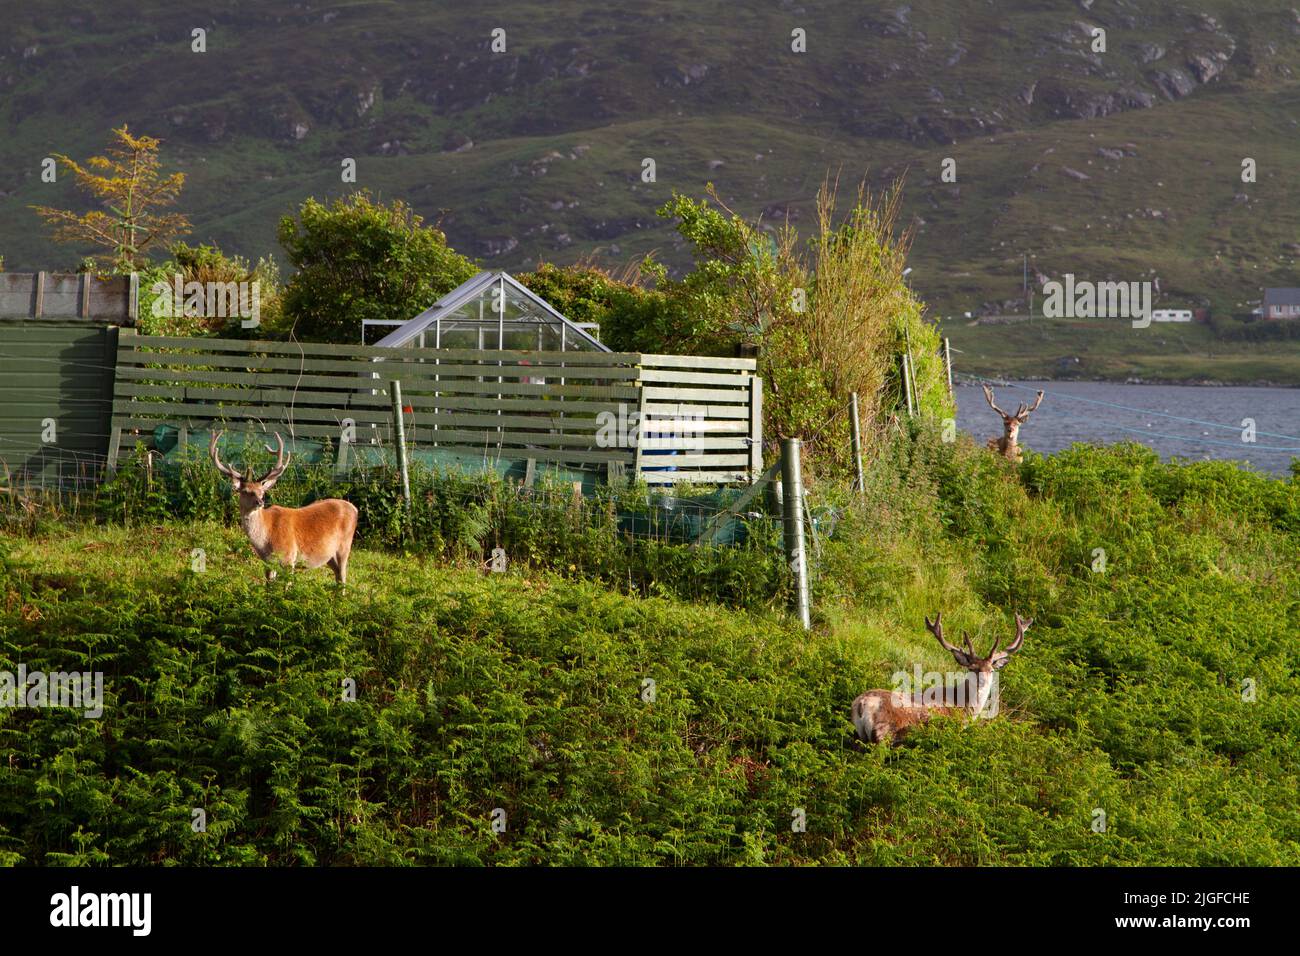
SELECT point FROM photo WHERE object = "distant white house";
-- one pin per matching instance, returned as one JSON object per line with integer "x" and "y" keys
{"x": 1171, "y": 315}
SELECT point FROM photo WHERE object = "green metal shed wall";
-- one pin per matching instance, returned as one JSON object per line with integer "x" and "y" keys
{"x": 61, "y": 371}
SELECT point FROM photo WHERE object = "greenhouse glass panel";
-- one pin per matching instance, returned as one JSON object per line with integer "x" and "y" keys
{"x": 493, "y": 311}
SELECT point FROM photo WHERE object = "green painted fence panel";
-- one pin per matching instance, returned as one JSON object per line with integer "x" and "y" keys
{"x": 56, "y": 400}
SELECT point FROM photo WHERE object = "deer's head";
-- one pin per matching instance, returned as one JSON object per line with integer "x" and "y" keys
{"x": 251, "y": 491}
{"x": 1011, "y": 423}
{"x": 981, "y": 668}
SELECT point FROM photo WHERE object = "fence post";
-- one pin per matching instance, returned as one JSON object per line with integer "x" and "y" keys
{"x": 755, "y": 428}
{"x": 639, "y": 439}
{"x": 108, "y": 391}
{"x": 792, "y": 507}
{"x": 341, "y": 464}
{"x": 855, "y": 433}
{"x": 399, "y": 435}
{"x": 947, "y": 362}
{"x": 905, "y": 361}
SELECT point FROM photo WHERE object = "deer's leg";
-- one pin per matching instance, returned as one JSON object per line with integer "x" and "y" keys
{"x": 341, "y": 561}
{"x": 270, "y": 572}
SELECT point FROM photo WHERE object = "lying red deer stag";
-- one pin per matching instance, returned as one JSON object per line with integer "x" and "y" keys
{"x": 321, "y": 533}
{"x": 1007, "y": 446}
{"x": 881, "y": 715}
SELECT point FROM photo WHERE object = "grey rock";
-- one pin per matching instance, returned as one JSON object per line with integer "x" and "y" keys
{"x": 1204, "y": 67}
{"x": 1150, "y": 52}
{"x": 457, "y": 142}
{"x": 1174, "y": 83}
{"x": 497, "y": 247}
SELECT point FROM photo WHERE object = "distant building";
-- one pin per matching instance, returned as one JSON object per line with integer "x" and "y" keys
{"x": 1171, "y": 315}
{"x": 1281, "y": 304}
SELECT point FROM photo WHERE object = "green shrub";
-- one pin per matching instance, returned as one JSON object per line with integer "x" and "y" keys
{"x": 357, "y": 259}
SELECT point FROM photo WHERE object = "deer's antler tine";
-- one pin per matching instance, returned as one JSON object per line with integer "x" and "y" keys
{"x": 216, "y": 458}
{"x": 988, "y": 396}
{"x": 936, "y": 628}
{"x": 970, "y": 648}
{"x": 1037, "y": 399}
{"x": 1022, "y": 625}
{"x": 281, "y": 463}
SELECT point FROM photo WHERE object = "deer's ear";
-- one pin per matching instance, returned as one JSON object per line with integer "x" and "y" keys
{"x": 1000, "y": 661}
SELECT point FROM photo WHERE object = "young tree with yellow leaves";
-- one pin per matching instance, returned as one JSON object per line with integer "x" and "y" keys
{"x": 128, "y": 183}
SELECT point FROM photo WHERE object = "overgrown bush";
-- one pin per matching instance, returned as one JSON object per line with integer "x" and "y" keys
{"x": 205, "y": 264}
{"x": 632, "y": 317}
{"x": 356, "y": 258}
{"x": 829, "y": 318}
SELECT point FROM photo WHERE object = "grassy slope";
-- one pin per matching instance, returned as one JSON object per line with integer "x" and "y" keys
{"x": 521, "y": 692}
{"x": 762, "y": 123}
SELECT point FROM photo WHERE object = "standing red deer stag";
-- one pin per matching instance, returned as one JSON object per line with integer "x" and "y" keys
{"x": 1007, "y": 445}
{"x": 321, "y": 533}
{"x": 881, "y": 715}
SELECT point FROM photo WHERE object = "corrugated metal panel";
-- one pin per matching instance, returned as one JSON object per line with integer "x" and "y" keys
{"x": 59, "y": 375}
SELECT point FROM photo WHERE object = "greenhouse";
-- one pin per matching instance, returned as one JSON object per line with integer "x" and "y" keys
{"x": 490, "y": 311}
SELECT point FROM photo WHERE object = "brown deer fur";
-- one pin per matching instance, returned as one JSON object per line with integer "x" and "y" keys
{"x": 880, "y": 716}
{"x": 318, "y": 534}
{"x": 1008, "y": 445}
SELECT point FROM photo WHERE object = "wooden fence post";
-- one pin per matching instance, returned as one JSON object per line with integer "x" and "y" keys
{"x": 905, "y": 362}
{"x": 855, "y": 434}
{"x": 947, "y": 362}
{"x": 755, "y": 428}
{"x": 399, "y": 437}
{"x": 640, "y": 423}
{"x": 796, "y": 554}
{"x": 341, "y": 463}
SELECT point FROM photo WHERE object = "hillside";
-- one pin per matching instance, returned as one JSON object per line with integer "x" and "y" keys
{"x": 1151, "y": 717}
{"x": 1123, "y": 164}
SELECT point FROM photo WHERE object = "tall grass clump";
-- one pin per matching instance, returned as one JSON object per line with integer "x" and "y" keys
{"x": 863, "y": 315}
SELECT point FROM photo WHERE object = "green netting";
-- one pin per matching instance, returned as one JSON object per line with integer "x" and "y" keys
{"x": 666, "y": 516}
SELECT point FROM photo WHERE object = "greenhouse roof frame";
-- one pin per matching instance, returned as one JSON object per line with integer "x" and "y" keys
{"x": 474, "y": 289}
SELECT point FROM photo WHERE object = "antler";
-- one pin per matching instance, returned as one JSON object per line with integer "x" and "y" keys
{"x": 281, "y": 462}
{"x": 936, "y": 628}
{"x": 988, "y": 397}
{"x": 999, "y": 659}
{"x": 1025, "y": 410}
{"x": 1022, "y": 625}
{"x": 216, "y": 459}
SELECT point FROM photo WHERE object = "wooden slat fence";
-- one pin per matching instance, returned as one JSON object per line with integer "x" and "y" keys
{"x": 668, "y": 418}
